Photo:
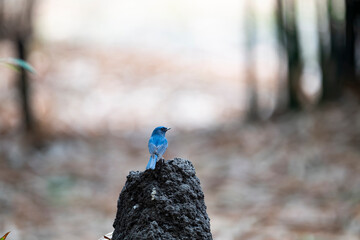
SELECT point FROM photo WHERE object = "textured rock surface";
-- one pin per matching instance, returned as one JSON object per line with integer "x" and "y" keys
{"x": 165, "y": 203}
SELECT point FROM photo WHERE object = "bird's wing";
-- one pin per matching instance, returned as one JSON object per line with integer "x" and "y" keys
{"x": 152, "y": 148}
{"x": 162, "y": 147}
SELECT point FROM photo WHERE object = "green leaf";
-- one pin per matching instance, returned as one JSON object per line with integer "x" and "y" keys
{"x": 16, "y": 64}
{"x": 4, "y": 237}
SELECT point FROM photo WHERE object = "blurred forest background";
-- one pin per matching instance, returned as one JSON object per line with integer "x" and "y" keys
{"x": 262, "y": 96}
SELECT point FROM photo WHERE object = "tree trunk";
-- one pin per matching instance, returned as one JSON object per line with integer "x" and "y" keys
{"x": 293, "y": 52}
{"x": 331, "y": 57}
{"x": 23, "y": 86}
{"x": 351, "y": 13}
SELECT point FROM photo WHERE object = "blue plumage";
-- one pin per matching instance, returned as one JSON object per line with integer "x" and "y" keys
{"x": 157, "y": 146}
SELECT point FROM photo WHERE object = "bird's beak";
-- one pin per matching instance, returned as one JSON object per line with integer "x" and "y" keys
{"x": 168, "y": 129}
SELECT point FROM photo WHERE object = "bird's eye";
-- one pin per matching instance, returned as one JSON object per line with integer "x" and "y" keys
{"x": 163, "y": 129}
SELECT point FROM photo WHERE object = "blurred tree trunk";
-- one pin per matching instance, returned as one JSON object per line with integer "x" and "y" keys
{"x": 352, "y": 46}
{"x": 16, "y": 25}
{"x": 22, "y": 40}
{"x": 24, "y": 86}
{"x": 350, "y": 39}
{"x": 331, "y": 47}
{"x": 288, "y": 37}
{"x": 352, "y": 34}
{"x": 281, "y": 38}
{"x": 252, "y": 94}
{"x": 337, "y": 40}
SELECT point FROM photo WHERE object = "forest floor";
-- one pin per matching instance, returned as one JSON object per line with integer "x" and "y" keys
{"x": 295, "y": 177}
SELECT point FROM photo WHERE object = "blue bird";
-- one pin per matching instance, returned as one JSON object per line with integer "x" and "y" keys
{"x": 157, "y": 146}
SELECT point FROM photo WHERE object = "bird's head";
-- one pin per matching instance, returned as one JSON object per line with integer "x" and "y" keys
{"x": 160, "y": 131}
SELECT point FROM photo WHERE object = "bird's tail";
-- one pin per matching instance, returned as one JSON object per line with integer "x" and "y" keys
{"x": 152, "y": 162}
